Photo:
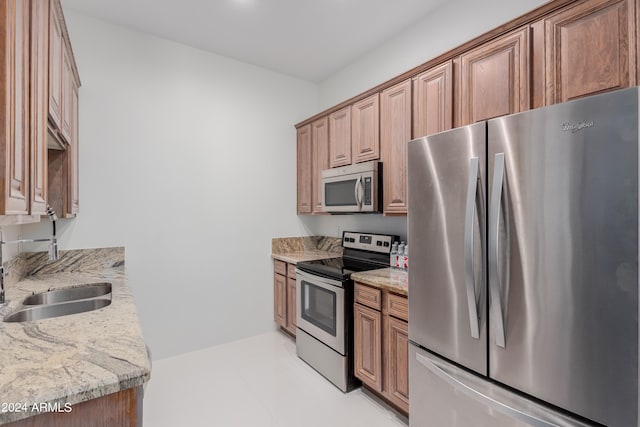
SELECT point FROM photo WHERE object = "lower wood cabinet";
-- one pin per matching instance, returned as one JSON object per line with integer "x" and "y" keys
{"x": 381, "y": 343}
{"x": 284, "y": 296}
{"x": 121, "y": 409}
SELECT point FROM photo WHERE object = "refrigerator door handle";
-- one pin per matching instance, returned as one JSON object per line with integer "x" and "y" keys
{"x": 441, "y": 372}
{"x": 472, "y": 191}
{"x": 497, "y": 313}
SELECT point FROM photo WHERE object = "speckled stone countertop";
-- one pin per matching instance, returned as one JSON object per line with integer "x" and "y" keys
{"x": 297, "y": 249}
{"x": 71, "y": 359}
{"x": 389, "y": 279}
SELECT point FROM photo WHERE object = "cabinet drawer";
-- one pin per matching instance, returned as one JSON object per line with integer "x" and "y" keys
{"x": 291, "y": 271}
{"x": 397, "y": 306}
{"x": 280, "y": 267}
{"x": 368, "y": 296}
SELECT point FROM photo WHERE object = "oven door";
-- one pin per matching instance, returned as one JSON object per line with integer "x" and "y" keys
{"x": 320, "y": 309}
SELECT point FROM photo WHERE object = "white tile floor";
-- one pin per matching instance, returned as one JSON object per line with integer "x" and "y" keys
{"x": 258, "y": 382}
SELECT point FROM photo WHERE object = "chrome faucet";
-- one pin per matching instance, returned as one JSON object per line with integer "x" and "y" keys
{"x": 53, "y": 250}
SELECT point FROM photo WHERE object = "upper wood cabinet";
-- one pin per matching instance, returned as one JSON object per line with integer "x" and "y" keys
{"x": 56, "y": 58}
{"x": 73, "y": 155}
{"x": 340, "y": 137}
{"x": 67, "y": 94}
{"x": 589, "y": 47}
{"x": 304, "y": 168}
{"x": 433, "y": 100}
{"x": 495, "y": 78}
{"x": 320, "y": 143}
{"x": 365, "y": 129}
{"x": 395, "y": 124}
{"x": 15, "y": 129}
{"x": 39, "y": 104}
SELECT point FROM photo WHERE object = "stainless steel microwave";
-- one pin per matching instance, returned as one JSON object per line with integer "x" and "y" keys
{"x": 353, "y": 189}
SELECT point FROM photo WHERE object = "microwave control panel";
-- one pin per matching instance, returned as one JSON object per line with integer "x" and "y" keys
{"x": 367, "y": 191}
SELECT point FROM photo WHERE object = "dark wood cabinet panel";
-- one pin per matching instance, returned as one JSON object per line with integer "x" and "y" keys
{"x": 304, "y": 168}
{"x": 433, "y": 100}
{"x": 395, "y": 124}
{"x": 589, "y": 47}
{"x": 495, "y": 78}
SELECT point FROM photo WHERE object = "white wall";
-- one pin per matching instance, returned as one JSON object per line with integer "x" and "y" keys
{"x": 188, "y": 160}
{"x": 450, "y": 25}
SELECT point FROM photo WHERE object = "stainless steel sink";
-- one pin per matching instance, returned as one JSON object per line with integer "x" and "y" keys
{"x": 57, "y": 310}
{"x": 71, "y": 294}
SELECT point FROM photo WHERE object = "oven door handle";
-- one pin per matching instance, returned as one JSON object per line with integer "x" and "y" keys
{"x": 323, "y": 282}
{"x": 357, "y": 191}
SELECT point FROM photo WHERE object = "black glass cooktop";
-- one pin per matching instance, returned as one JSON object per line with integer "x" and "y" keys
{"x": 339, "y": 268}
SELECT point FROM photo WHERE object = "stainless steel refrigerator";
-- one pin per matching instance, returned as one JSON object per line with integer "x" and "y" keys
{"x": 523, "y": 286}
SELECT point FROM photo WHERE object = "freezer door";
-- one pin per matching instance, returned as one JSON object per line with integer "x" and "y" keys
{"x": 446, "y": 227}
{"x": 563, "y": 255}
{"x": 445, "y": 395}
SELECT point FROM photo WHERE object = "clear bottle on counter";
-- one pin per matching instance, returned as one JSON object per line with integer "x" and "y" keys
{"x": 394, "y": 255}
{"x": 405, "y": 258}
{"x": 400, "y": 256}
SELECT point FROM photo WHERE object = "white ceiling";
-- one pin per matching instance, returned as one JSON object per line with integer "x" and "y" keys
{"x": 308, "y": 39}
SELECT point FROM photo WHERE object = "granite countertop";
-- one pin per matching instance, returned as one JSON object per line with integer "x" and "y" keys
{"x": 71, "y": 359}
{"x": 308, "y": 248}
{"x": 389, "y": 279}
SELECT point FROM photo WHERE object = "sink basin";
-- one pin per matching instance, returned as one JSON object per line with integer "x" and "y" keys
{"x": 71, "y": 294}
{"x": 57, "y": 310}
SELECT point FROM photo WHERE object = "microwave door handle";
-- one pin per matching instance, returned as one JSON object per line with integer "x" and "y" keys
{"x": 356, "y": 191}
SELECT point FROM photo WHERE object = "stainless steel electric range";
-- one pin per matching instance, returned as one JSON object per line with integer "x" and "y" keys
{"x": 324, "y": 338}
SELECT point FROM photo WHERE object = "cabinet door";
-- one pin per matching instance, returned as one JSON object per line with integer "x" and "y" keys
{"x": 340, "y": 138}
{"x": 433, "y": 100}
{"x": 367, "y": 348}
{"x": 73, "y": 155}
{"x": 304, "y": 170}
{"x": 280, "y": 300}
{"x": 590, "y": 47}
{"x": 395, "y": 122}
{"x": 495, "y": 78}
{"x": 365, "y": 129}
{"x": 291, "y": 305}
{"x": 14, "y": 88}
{"x": 67, "y": 94}
{"x": 397, "y": 361}
{"x": 320, "y": 143}
{"x": 55, "y": 63}
{"x": 39, "y": 104}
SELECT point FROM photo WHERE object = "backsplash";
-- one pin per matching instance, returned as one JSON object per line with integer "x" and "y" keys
{"x": 282, "y": 245}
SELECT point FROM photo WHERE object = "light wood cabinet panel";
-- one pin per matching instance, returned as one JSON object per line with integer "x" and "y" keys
{"x": 320, "y": 142}
{"x": 15, "y": 106}
{"x": 590, "y": 48}
{"x": 395, "y": 123}
{"x": 55, "y": 65}
{"x": 368, "y": 296}
{"x": 495, "y": 78}
{"x": 280, "y": 267}
{"x": 39, "y": 104}
{"x": 340, "y": 138}
{"x": 291, "y": 305}
{"x": 365, "y": 129}
{"x": 304, "y": 170}
{"x": 396, "y": 306}
{"x": 280, "y": 299}
{"x": 67, "y": 93}
{"x": 433, "y": 100}
{"x": 368, "y": 346}
{"x": 74, "y": 156}
{"x": 397, "y": 361}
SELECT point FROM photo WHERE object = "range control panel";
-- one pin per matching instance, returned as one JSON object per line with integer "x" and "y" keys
{"x": 368, "y": 242}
